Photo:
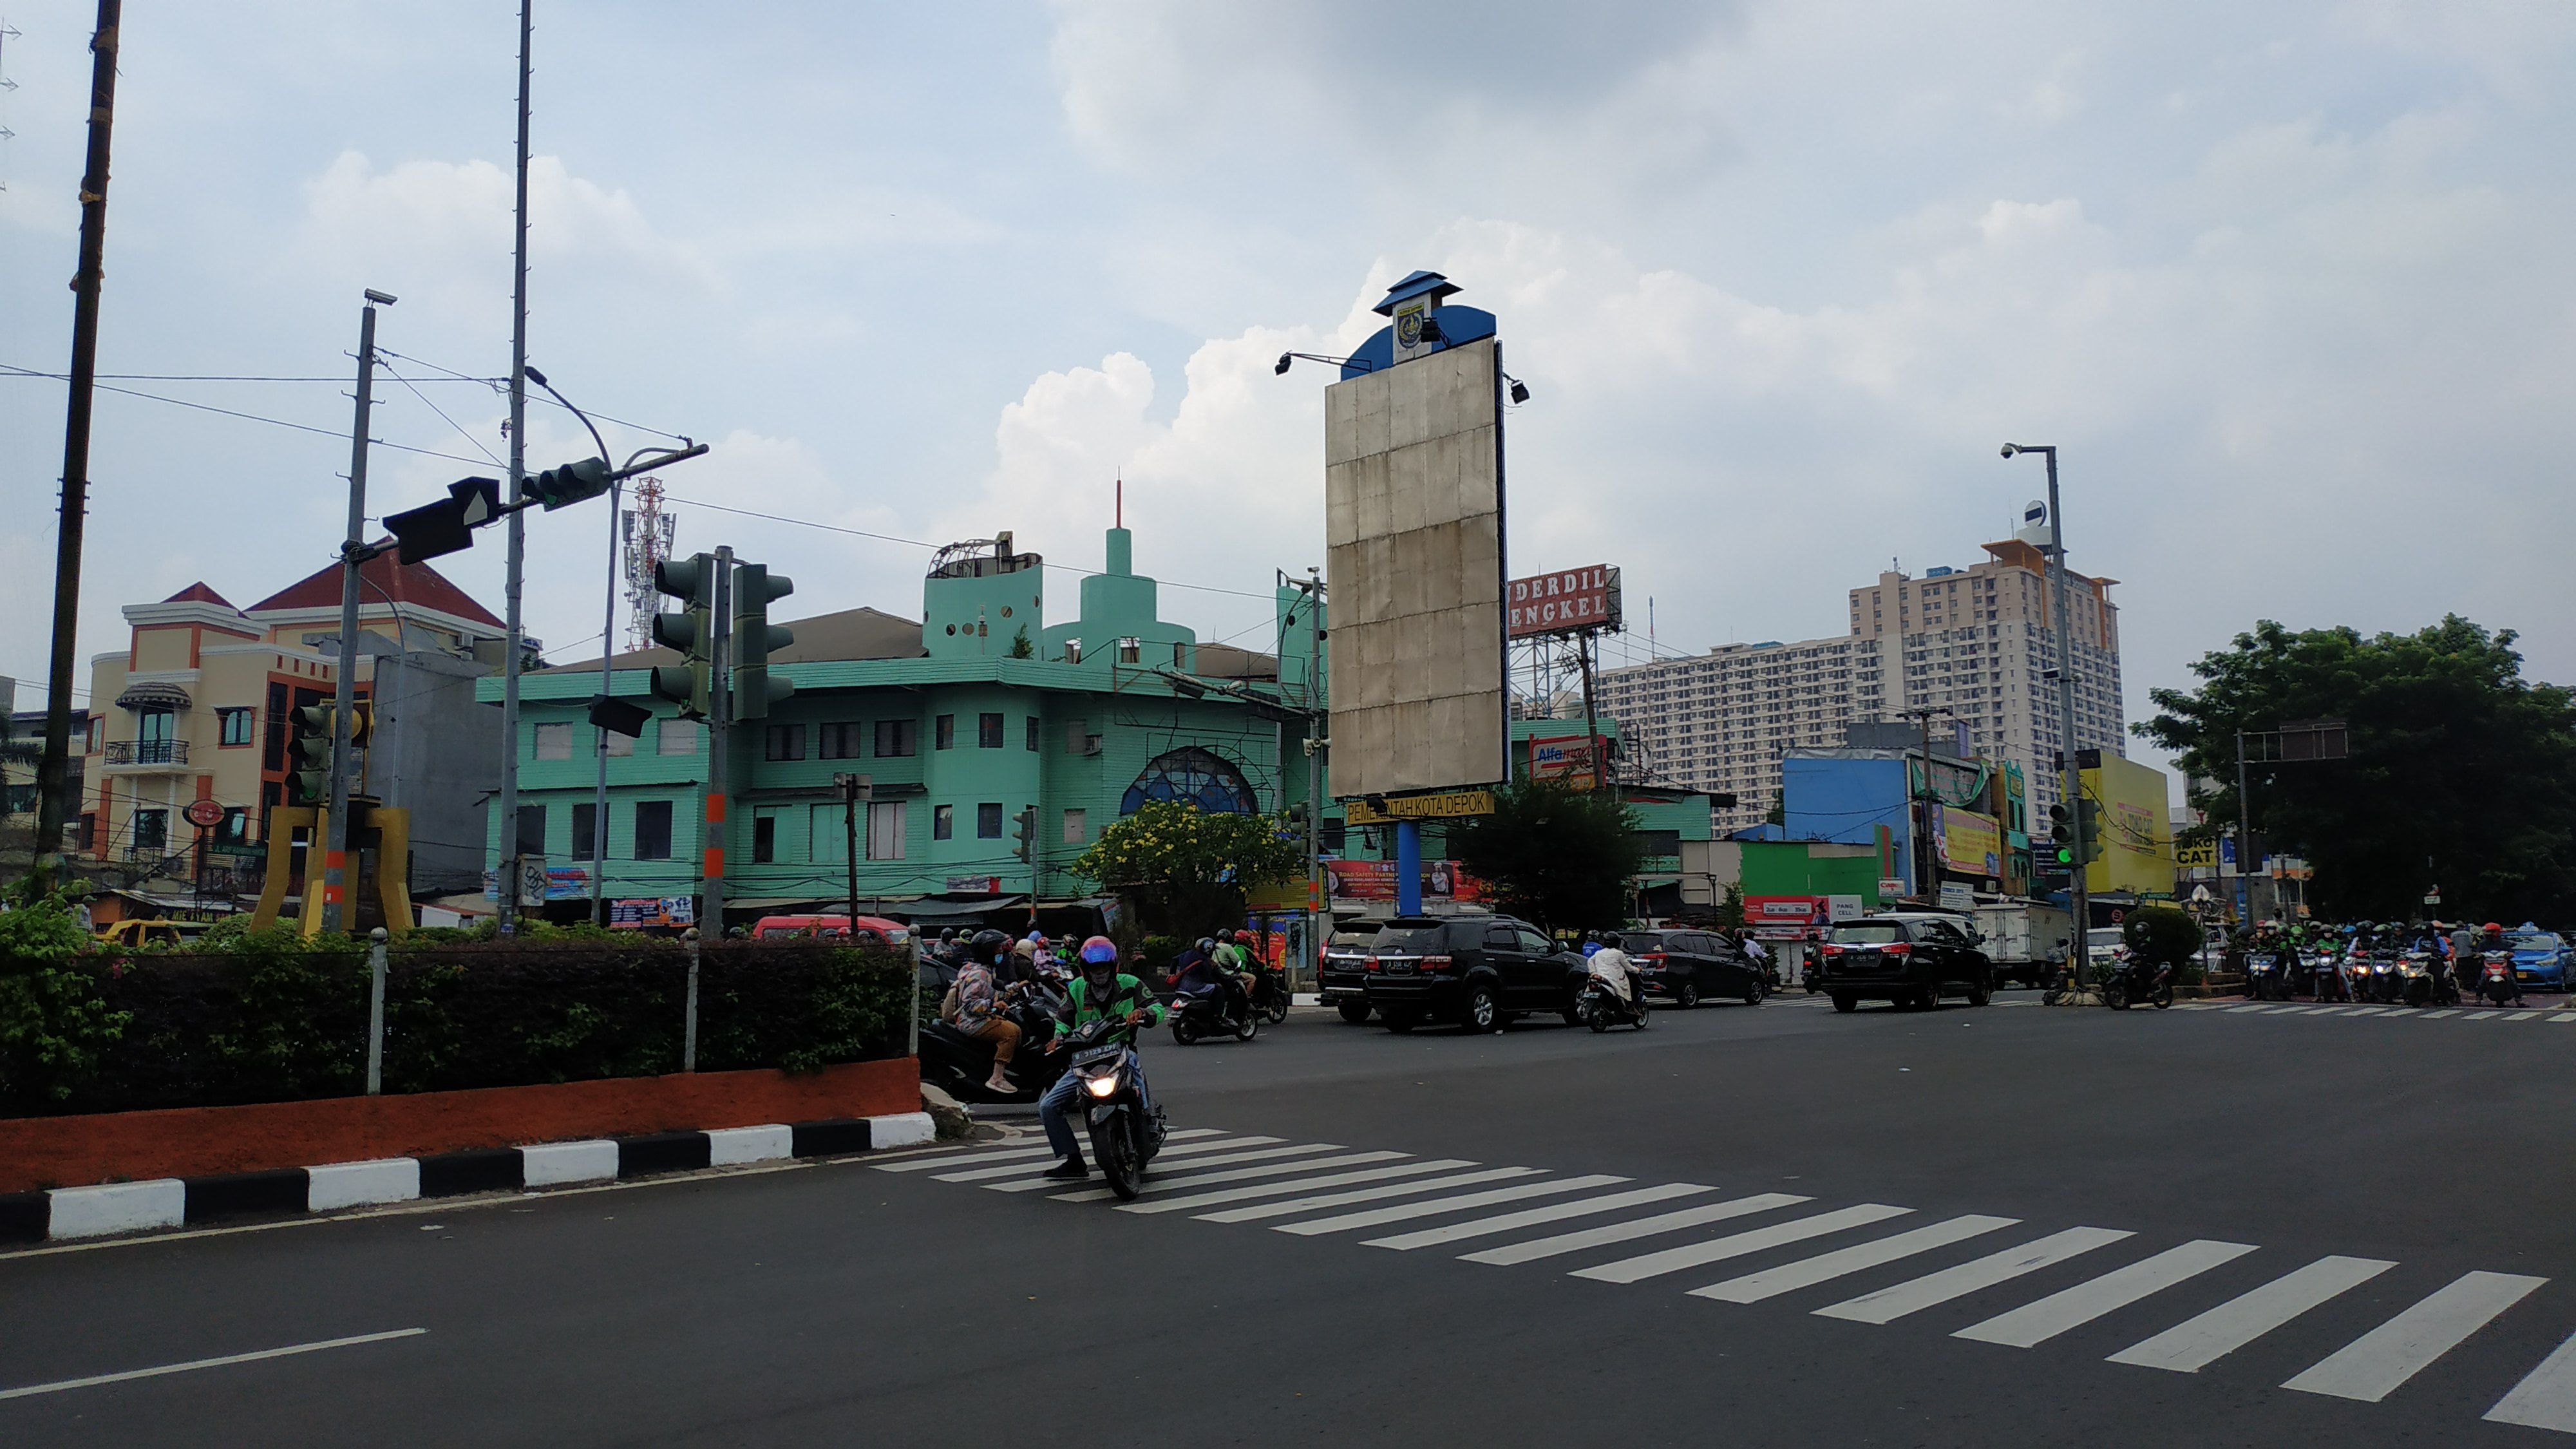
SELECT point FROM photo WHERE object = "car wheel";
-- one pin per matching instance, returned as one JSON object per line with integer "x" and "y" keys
{"x": 1926, "y": 999}
{"x": 1755, "y": 990}
{"x": 1355, "y": 1012}
{"x": 1573, "y": 1016}
{"x": 1401, "y": 1022}
{"x": 1481, "y": 1017}
{"x": 1981, "y": 993}
{"x": 1686, "y": 996}
{"x": 1846, "y": 1002}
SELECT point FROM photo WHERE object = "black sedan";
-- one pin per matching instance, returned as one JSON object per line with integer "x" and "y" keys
{"x": 1690, "y": 966}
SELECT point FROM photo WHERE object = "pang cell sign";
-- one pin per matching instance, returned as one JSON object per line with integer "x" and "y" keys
{"x": 1565, "y": 602}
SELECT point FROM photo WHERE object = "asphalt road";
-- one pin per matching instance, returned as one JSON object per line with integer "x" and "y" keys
{"x": 2275, "y": 1196}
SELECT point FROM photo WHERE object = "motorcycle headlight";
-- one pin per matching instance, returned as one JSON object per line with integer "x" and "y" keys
{"x": 1102, "y": 1085}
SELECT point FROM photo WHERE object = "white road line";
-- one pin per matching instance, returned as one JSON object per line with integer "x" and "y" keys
{"x": 2564, "y": 1016}
{"x": 2483, "y": 1015}
{"x": 1407, "y": 1211}
{"x": 2438, "y": 1015}
{"x": 1015, "y": 1169}
{"x": 93, "y": 1381}
{"x": 1825, "y": 1267}
{"x": 2371, "y": 1010}
{"x": 2522, "y": 1016}
{"x": 1717, "y": 1250}
{"x": 951, "y": 1157}
{"x": 1531, "y": 1217}
{"x": 1224, "y": 1159}
{"x": 1160, "y": 1182}
{"x": 2371, "y": 1367}
{"x": 1673, "y": 1222}
{"x": 2546, "y": 1397}
{"x": 2192, "y": 1345}
{"x": 1257, "y": 1211}
{"x": 2242, "y": 1009}
{"x": 1268, "y": 1189}
{"x": 1933, "y": 1289}
{"x": 2036, "y": 1323}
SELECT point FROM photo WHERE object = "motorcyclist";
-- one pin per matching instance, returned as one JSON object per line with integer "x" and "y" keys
{"x": 1101, "y": 993}
{"x": 2491, "y": 938}
{"x": 980, "y": 1000}
{"x": 1608, "y": 963}
{"x": 1250, "y": 971}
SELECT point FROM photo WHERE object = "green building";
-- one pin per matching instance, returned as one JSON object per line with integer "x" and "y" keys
{"x": 980, "y": 712}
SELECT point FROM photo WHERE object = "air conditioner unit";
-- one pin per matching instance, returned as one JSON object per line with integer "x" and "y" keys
{"x": 1091, "y": 744}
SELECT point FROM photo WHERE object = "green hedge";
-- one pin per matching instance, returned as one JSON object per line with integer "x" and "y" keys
{"x": 269, "y": 1018}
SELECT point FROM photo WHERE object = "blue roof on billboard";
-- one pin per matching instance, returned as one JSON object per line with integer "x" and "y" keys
{"x": 1414, "y": 286}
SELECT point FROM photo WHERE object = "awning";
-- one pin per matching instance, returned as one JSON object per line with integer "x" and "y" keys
{"x": 938, "y": 910}
{"x": 153, "y": 696}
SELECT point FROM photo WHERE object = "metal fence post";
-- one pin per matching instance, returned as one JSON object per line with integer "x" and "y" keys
{"x": 376, "y": 1012}
{"x": 689, "y": 1021}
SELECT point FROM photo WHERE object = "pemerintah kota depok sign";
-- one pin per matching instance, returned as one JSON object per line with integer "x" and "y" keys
{"x": 1567, "y": 601}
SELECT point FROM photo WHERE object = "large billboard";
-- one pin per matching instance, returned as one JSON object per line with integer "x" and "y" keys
{"x": 1413, "y": 556}
{"x": 1568, "y": 759}
{"x": 2137, "y": 827}
{"x": 1568, "y": 601}
{"x": 1971, "y": 844}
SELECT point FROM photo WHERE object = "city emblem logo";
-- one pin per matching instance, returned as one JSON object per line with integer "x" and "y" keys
{"x": 1408, "y": 327}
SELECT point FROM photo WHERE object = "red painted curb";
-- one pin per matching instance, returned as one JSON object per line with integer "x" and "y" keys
{"x": 40, "y": 1152}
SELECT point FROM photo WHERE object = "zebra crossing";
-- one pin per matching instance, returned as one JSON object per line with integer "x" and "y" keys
{"x": 1606, "y": 1228}
{"x": 2392, "y": 1013}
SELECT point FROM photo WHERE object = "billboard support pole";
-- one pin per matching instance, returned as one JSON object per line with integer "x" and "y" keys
{"x": 1591, "y": 720}
{"x": 1408, "y": 867}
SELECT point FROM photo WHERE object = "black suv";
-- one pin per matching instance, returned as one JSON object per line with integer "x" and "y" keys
{"x": 1476, "y": 971}
{"x": 1342, "y": 976}
{"x": 1912, "y": 960}
{"x": 1689, "y": 965}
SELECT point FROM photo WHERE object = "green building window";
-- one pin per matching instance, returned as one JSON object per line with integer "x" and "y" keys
{"x": 988, "y": 731}
{"x": 1033, "y": 734}
{"x": 585, "y": 825}
{"x": 988, "y": 822}
{"x": 897, "y": 738}
{"x": 841, "y": 741}
{"x": 764, "y": 838}
{"x": 943, "y": 822}
{"x": 943, "y": 732}
{"x": 786, "y": 742}
{"x": 653, "y": 830}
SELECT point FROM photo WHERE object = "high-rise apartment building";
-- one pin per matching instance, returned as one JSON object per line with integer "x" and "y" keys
{"x": 1974, "y": 643}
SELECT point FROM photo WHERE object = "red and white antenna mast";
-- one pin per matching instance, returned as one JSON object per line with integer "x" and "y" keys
{"x": 646, "y": 532}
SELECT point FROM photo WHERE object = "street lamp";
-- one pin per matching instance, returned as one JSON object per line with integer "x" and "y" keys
{"x": 2069, "y": 781}
{"x": 1286, "y": 358}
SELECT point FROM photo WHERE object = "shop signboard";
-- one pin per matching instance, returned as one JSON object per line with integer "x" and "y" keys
{"x": 651, "y": 912}
{"x": 1567, "y": 758}
{"x": 1374, "y": 880}
{"x": 1568, "y": 601}
{"x": 1790, "y": 918}
{"x": 1971, "y": 844}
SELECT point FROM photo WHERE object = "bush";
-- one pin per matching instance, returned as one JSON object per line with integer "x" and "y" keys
{"x": 54, "y": 1025}
{"x": 2161, "y": 935}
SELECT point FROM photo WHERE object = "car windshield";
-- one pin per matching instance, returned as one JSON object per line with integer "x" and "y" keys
{"x": 2104, "y": 938}
{"x": 1405, "y": 940}
{"x": 1636, "y": 941}
{"x": 1868, "y": 933}
{"x": 2540, "y": 941}
{"x": 1352, "y": 940}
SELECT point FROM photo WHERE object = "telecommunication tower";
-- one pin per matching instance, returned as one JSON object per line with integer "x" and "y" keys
{"x": 646, "y": 533}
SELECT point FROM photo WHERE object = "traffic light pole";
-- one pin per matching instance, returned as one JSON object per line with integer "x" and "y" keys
{"x": 2070, "y": 781}
{"x": 507, "y": 886}
{"x": 719, "y": 736}
{"x": 353, "y": 552}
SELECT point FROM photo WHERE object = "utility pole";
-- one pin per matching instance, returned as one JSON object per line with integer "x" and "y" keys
{"x": 518, "y": 525}
{"x": 353, "y": 554}
{"x": 2244, "y": 836}
{"x": 853, "y": 787}
{"x": 599, "y": 798}
{"x": 53, "y": 770}
{"x": 1924, "y": 861}
{"x": 1591, "y": 721}
{"x": 719, "y": 737}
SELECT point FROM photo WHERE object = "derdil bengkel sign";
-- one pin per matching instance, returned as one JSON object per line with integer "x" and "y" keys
{"x": 1565, "y": 602}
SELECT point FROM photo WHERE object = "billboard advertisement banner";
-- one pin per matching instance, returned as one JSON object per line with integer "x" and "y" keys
{"x": 1971, "y": 844}
{"x": 1413, "y": 555}
{"x": 1568, "y": 758}
{"x": 1568, "y": 601}
{"x": 1374, "y": 880}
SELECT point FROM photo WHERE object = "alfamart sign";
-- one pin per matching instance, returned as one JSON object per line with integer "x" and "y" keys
{"x": 1568, "y": 601}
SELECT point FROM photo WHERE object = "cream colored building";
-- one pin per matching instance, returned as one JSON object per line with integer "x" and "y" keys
{"x": 199, "y": 706}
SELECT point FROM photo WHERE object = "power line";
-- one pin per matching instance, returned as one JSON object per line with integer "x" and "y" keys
{"x": 333, "y": 433}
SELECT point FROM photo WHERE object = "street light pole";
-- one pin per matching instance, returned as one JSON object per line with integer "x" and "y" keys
{"x": 2070, "y": 788}
{"x": 507, "y": 886}
{"x": 353, "y": 554}
{"x": 599, "y": 800}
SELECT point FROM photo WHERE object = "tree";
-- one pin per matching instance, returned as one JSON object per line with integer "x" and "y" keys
{"x": 1730, "y": 908}
{"x": 1020, "y": 646}
{"x": 2462, "y": 773}
{"x": 2160, "y": 935}
{"x": 1561, "y": 857}
{"x": 1186, "y": 869}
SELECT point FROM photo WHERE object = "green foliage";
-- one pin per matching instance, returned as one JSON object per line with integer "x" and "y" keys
{"x": 2455, "y": 757}
{"x": 1560, "y": 857}
{"x": 1021, "y": 648}
{"x": 53, "y": 1023}
{"x": 1730, "y": 908}
{"x": 1187, "y": 869}
{"x": 2161, "y": 935}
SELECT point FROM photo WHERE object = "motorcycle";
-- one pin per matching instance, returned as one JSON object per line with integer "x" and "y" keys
{"x": 2265, "y": 980}
{"x": 2496, "y": 984}
{"x": 960, "y": 1065}
{"x": 2130, "y": 979}
{"x": 1599, "y": 1007}
{"x": 2384, "y": 985}
{"x": 1199, "y": 1013}
{"x": 1269, "y": 997}
{"x": 1124, "y": 1136}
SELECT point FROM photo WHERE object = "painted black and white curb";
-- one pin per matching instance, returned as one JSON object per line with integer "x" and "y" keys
{"x": 170, "y": 1202}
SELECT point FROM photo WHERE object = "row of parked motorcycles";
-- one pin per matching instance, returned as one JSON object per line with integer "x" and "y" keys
{"x": 2387, "y": 977}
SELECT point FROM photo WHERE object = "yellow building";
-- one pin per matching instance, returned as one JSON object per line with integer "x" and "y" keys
{"x": 2136, "y": 824}
{"x": 199, "y": 705}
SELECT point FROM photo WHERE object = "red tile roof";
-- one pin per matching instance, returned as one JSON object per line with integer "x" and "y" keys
{"x": 198, "y": 593}
{"x": 403, "y": 583}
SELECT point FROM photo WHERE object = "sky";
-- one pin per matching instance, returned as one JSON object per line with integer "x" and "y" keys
{"x": 2287, "y": 285}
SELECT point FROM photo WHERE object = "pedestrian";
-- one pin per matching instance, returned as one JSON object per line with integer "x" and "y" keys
{"x": 2464, "y": 959}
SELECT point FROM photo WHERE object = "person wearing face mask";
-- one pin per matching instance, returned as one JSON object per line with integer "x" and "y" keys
{"x": 1101, "y": 993}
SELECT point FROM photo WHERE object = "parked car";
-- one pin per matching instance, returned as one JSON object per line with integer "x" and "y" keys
{"x": 1690, "y": 965}
{"x": 1342, "y": 975}
{"x": 1910, "y": 959}
{"x": 1476, "y": 971}
{"x": 149, "y": 933}
{"x": 2540, "y": 958}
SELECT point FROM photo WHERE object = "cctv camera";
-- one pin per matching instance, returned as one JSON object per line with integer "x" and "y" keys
{"x": 2009, "y": 450}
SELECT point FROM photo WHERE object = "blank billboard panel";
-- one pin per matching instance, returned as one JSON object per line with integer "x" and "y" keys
{"x": 1413, "y": 518}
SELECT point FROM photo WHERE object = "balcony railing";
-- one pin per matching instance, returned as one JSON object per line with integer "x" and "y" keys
{"x": 147, "y": 752}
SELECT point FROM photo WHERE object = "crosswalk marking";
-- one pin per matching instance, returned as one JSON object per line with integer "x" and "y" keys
{"x": 1015, "y": 1169}
{"x": 2242, "y": 1009}
{"x": 2564, "y": 1016}
{"x": 2546, "y": 1397}
{"x": 2194, "y": 1344}
{"x": 1293, "y": 1206}
{"x": 1192, "y": 1179}
{"x": 1672, "y": 1222}
{"x": 944, "y": 1157}
{"x": 1407, "y": 1211}
{"x": 1038, "y": 1181}
{"x": 2371, "y": 1367}
{"x": 2036, "y": 1323}
{"x": 2482, "y": 1015}
{"x": 1933, "y": 1289}
{"x": 1825, "y": 1267}
{"x": 2522, "y": 1016}
{"x": 1267, "y": 1189}
{"x": 2438, "y": 1015}
{"x": 1531, "y": 1217}
{"x": 1736, "y": 1245}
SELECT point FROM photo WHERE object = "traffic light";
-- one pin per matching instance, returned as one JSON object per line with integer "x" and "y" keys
{"x": 1024, "y": 830}
{"x": 435, "y": 529}
{"x": 754, "y": 636}
{"x": 2061, "y": 835}
{"x": 308, "y": 776}
{"x": 2088, "y": 830}
{"x": 691, "y": 686}
{"x": 571, "y": 483}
